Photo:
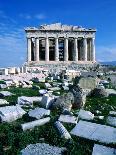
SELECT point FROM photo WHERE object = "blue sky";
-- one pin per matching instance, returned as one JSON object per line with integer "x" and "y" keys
{"x": 17, "y": 14}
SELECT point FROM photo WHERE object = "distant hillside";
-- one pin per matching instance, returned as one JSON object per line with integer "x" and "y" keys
{"x": 113, "y": 63}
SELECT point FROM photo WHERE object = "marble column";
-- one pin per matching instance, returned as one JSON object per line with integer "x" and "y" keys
{"x": 66, "y": 49}
{"x": 93, "y": 49}
{"x": 75, "y": 55}
{"x": 28, "y": 49}
{"x": 47, "y": 49}
{"x": 36, "y": 49}
{"x": 85, "y": 49}
{"x": 56, "y": 50}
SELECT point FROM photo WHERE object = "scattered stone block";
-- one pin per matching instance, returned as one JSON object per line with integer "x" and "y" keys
{"x": 68, "y": 119}
{"x": 3, "y": 86}
{"x": 55, "y": 88}
{"x": 39, "y": 113}
{"x": 5, "y": 93}
{"x": 62, "y": 130}
{"x": 65, "y": 88}
{"x": 3, "y": 101}
{"x": 64, "y": 102}
{"x": 111, "y": 121}
{"x": 112, "y": 113}
{"x": 47, "y": 85}
{"x": 87, "y": 115}
{"x": 97, "y": 132}
{"x": 11, "y": 113}
{"x": 47, "y": 101}
{"x": 42, "y": 91}
{"x": 88, "y": 83}
{"x": 41, "y": 79}
{"x": 25, "y": 100}
{"x": 111, "y": 91}
{"x": 42, "y": 149}
{"x": 31, "y": 125}
{"x": 103, "y": 150}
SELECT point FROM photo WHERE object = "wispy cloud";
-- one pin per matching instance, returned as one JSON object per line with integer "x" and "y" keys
{"x": 39, "y": 16}
{"x": 12, "y": 42}
{"x": 26, "y": 16}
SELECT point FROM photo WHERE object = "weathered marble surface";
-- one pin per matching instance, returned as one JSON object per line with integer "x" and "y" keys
{"x": 103, "y": 150}
{"x": 68, "y": 119}
{"x": 111, "y": 121}
{"x": 39, "y": 112}
{"x": 87, "y": 115}
{"x": 42, "y": 149}
{"x": 96, "y": 132}
{"x": 31, "y": 125}
{"x": 11, "y": 113}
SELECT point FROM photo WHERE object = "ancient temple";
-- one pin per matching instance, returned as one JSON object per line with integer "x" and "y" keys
{"x": 60, "y": 43}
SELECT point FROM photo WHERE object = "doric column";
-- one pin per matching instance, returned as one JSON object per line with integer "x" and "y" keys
{"x": 36, "y": 49}
{"x": 85, "y": 49}
{"x": 47, "y": 49}
{"x": 56, "y": 50}
{"x": 66, "y": 49}
{"x": 28, "y": 49}
{"x": 93, "y": 49}
{"x": 75, "y": 55}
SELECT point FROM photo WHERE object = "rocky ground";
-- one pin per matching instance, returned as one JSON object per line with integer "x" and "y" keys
{"x": 63, "y": 116}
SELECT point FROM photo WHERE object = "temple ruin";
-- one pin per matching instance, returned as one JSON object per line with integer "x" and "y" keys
{"x": 60, "y": 43}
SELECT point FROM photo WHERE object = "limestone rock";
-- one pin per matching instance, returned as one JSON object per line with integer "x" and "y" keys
{"x": 79, "y": 96}
{"x": 64, "y": 102}
{"x": 111, "y": 121}
{"x": 11, "y": 113}
{"x": 5, "y": 93}
{"x": 39, "y": 113}
{"x": 3, "y": 86}
{"x": 25, "y": 100}
{"x": 47, "y": 101}
{"x": 47, "y": 85}
{"x": 42, "y": 149}
{"x": 103, "y": 150}
{"x": 2, "y": 102}
{"x": 31, "y": 125}
{"x": 97, "y": 132}
{"x": 68, "y": 119}
{"x": 87, "y": 115}
{"x": 112, "y": 113}
{"x": 42, "y": 91}
{"x": 99, "y": 92}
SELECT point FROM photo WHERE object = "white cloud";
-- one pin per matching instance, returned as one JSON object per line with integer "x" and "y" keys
{"x": 106, "y": 53}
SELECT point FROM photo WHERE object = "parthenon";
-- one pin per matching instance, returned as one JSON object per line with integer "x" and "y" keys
{"x": 57, "y": 42}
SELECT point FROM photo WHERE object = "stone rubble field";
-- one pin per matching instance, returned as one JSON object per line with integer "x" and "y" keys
{"x": 41, "y": 116}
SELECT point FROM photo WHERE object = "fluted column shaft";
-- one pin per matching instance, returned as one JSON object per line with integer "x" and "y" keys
{"x": 85, "y": 48}
{"x": 36, "y": 49}
{"x": 28, "y": 49}
{"x": 47, "y": 50}
{"x": 56, "y": 50}
{"x": 75, "y": 56}
{"x": 66, "y": 49}
{"x": 93, "y": 49}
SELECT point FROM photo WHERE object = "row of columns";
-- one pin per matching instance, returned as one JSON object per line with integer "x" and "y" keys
{"x": 75, "y": 54}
